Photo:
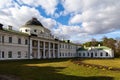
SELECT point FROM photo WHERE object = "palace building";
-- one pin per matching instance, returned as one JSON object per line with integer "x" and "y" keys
{"x": 34, "y": 41}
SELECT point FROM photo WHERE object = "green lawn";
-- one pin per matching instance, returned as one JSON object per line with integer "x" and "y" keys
{"x": 104, "y": 62}
{"x": 54, "y": 69}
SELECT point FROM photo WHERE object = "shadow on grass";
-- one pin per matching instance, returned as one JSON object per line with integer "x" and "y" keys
{"x": 53, "y": 73}
{"x": 35, "y": 61}
{"x": 26, "y": 72}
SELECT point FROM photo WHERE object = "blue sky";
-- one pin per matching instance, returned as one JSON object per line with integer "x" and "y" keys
{"x": 77, "y": 20}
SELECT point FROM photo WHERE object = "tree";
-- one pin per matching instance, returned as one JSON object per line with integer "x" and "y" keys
{"x": 110, "y": 42}
{"x": 94, "y": 42}
{"x": 117, "y": 52}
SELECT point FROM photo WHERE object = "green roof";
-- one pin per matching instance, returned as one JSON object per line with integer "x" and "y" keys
{"x": 96, "y": 47}
{"x": 15, "y": 32}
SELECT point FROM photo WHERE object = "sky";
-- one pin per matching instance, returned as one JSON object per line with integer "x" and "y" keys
{"x": 76, "y": 20}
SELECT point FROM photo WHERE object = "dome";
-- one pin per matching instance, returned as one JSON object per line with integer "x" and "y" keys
{"x": 34, "y": 21}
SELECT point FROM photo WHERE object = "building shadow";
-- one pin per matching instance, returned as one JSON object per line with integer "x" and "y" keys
{"x": 35, "y": 61}
{"x": 53, "y": 73}
{"x": 33, "y": 72}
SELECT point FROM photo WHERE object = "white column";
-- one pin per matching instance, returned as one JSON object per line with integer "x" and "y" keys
{"x": 30, "y": 55}
{"x": 49, "y": 51}
{"x": 38, "y": 55}
{"x": 58, "y": 52}
{"x": 53, "y": 50}
{"x": 44, "y": 50}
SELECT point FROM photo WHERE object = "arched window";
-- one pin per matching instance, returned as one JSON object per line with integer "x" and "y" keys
{"x": 26, "y": 30}
{"x": 83, "y": 54}
{"x": 106, "y": 53}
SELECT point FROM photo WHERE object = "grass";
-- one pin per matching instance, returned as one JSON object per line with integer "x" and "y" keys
{"x": 54, "y": 69}
{"x": 104, "y": 62}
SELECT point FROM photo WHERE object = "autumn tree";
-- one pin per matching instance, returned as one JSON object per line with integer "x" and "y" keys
{"x": 117, "y": 51}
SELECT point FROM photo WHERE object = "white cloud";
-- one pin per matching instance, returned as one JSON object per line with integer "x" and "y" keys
{"x": 48, "y": 23}
{"x": 17, "y": 16}
{"x": 48, "y": 5}
{"x": 5, "y": 3}
{"x": 67, "y": 32}
{"x": 88, "y": 17}
{"x": 98, "y": 17}
{"x": 72, "y": 5}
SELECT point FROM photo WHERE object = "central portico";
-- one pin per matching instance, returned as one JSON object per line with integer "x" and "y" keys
{"x": 42, "y": 43}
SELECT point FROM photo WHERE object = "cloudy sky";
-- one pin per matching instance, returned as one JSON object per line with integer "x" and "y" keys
{"x": 77, "y": 20}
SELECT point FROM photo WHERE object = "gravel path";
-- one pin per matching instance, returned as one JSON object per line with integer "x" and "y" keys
{"x": 8, "y": 77}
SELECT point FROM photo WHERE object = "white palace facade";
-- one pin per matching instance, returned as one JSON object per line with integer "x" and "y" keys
{"x": 34, "y": 41}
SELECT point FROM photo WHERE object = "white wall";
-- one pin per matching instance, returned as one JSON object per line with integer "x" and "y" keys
{"x": 14, "y": 47}
{"x": 96, "y": 54}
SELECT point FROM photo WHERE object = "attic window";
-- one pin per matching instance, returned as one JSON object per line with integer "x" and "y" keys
{"x": 26, "y": 30}
{"x": 35, "y": 30}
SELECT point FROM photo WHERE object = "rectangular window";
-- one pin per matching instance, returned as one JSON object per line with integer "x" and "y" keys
{"x": 19, "y": 41}
{"x": 19, "y": 54}
{"x": 101, "y": 54}
{"x": 2, "y": 54}
{"x": 34, "y": 43}
{"x": 95, "y": 54}
{"x": 26, "y": 41}
{"x": 79, "y": 54}
{"x": 60, "y": 54}
{"x": 2, "y": 39}
{"x": 88, "y": 54}
{"x": 10, "y": 39}
{"x": 10, "y": 54}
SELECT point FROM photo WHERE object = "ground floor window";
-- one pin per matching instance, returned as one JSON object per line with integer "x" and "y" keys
{"x": 88, "y": 54}
{"x": 3, "y": 54}
{"x": 10, "y": 54}
{"x": 79, "y": 54}
{"x": 83, "y": 54}
{"x": 68, "y": 54}
{"x": 65, "y": 54}
{"x": 60, "y": 54}
{"x": 19, "y": 54}
{"x": 95, "y": 54}
{"x": 106, "y": 53}
{"x": 101, "y": 54}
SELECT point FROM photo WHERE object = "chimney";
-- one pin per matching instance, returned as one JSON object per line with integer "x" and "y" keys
{"x": 1, "y": 26}
{"x": 9, "y": 27}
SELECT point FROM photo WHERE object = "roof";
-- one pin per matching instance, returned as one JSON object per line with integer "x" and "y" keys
{"x": 33, "y": 21}
{"x": 95, "y": 48}
{"x": 14, "y": 32}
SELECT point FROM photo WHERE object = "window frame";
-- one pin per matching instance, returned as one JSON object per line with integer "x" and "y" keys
{"x": 9, "y": 54}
